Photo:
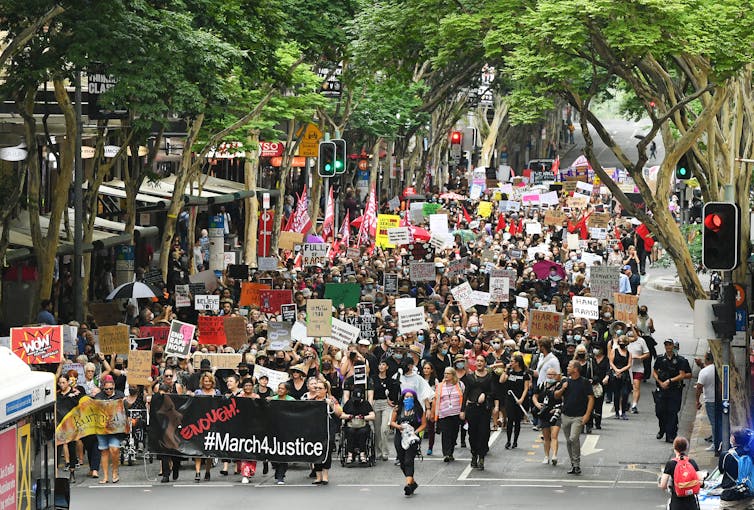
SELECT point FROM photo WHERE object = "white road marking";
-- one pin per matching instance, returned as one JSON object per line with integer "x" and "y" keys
{"x": 119, "y": 486}
{"x": 467, "y": 470}
{"x": 590, "y": 445}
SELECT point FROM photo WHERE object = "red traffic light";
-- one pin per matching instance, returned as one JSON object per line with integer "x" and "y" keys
{"x": 713, "y": 222}
{"x": 455, "y": 137}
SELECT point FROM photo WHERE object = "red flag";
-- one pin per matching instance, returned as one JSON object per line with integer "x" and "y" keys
{"x": 646, "y": 236}
{"x": 556, "y": 165}
{"x": 500, "y": 223}
{"x": 580, "y": 226}
{"x": 369, "y": 224}
{"x": 466, "y": 215}
{"x": 328, "y": 226}
{"x": 301, "y": 221}
{"x": 345, "y": 233}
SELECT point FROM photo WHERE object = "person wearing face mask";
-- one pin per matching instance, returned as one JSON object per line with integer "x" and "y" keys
{"x": 620, "y": 364}
{"x": 408, "y": 420}
{"x": 646, "y": 328}
{"x": 440, "y": 357}
{"x": 639, "y": 353}
{"x": 598, "y": 373}
{"x": 386, "y": 393}
{"x": 516, "y": 381}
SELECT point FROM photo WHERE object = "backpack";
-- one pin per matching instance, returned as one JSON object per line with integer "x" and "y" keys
{"x": 685, "y": 480}
{"x": 745, "y": 471}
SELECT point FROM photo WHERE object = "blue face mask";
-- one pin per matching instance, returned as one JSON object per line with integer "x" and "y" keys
{"x": 569, "y": 337}
{"x": 514, "y": 326}
{"x": 537, "y": 305}
{"x": 549, "y": 381}
{"x": 618, "y": 332}
{"x": 408, "y": 403}
{"x": 474, "y": 329}
{"x": 577, "y": 337}
{"x": 420, "y": 338}
{"x": 444, "y": 351}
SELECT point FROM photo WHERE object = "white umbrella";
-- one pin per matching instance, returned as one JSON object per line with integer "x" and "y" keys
{"x": 131, "y": 290}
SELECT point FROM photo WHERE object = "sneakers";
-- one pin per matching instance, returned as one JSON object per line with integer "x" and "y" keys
{"x": 429, "y": 452}
{"x": 546, "y": 460}
{"x": 575, "y": 470}
{"x": 451, "y": 458}
{"x": 554, "y": 461}
{"x": 623, "y": 416}
{"x": 473, "y": 461}
{"x": 480, "y": 464}
{"x": 244, "y": 480}
{"x": 710, "y": 448}
{"x": 634, "y": 410}
{"x": 280, "y": 482}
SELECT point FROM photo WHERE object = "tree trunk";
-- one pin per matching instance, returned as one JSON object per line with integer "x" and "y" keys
{"x": 251, "y": 168}
{"x": 488, "y": 146}
{"x": 740, "y": 413}
{"x": 12, "y": 177}
{"x": 285, "y": 170}
{"x": 375, "y": 167}
{"x": 187, "y": 171}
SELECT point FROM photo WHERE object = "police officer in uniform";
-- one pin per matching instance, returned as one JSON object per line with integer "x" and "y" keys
{"x": 669, "y": 372}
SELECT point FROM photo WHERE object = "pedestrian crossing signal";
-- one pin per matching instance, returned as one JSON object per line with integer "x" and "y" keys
{"x": 326, "y": 161}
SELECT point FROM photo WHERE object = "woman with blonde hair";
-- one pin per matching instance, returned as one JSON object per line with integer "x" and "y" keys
{"x": 207, "y": 388}
{"x": 447, "y": 410}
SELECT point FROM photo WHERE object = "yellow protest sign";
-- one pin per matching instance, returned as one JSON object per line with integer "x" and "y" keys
{"x": 92, "y": 417}
{"x": 484, "y": 209}
{"x": 384, "y": 222}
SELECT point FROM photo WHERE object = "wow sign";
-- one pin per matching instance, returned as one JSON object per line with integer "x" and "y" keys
{"x": 37, "y": 345}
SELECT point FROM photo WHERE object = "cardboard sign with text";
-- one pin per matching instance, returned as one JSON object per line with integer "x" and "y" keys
{"x": 390, "y": 283}
{"x": 272, "y": 300}
{"x": 626, "y": 307}
{"x": 288, "y": 312}
{"x": 275, "y": 377}
{"x": 494, "y": 322}
{"x": 411, "y": 320}
{"x": 499, "y": 285}
{"x": 457, "y": 267}
{"x": 422, "y": 271}
{"x": 279, "y": 335}
{"x": 235, "y": 331}
{"x": 106, "y": 314}
{"x": 314, "y": 253}
{"x": 463, "y": 294}
{"x": 182, "y": 298}
{"x": 139, "y": 368}
{"x": 398, "y": 236}
{"x": 555, "y": 217}
{"x": 344, "y": 332}
{"x": 114, "y": 339}
{"x": 603, "y": 281}
{"x": 544, "y": 323}
{"x": 218, "y": 360}
{"x": 319, "y": 317}
{"x": 586, "y": 307}
{"x": 207, "y": 302}
{"x": 38, "y": 345}
{"x": 289, "y": 240}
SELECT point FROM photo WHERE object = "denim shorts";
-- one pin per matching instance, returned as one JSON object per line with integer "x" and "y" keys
{"x": 105, "y": 441}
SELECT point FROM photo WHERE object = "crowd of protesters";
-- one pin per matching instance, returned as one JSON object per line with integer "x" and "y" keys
{"x": 454, "y": 377}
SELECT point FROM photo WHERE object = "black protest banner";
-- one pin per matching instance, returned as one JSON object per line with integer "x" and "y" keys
{"x": 239, "y": 428}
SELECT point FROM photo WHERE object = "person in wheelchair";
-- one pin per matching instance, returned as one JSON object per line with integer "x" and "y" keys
{"x": 357, "y": 412}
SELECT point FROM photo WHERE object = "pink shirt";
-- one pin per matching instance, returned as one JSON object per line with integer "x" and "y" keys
{"x": 448, "y": 399}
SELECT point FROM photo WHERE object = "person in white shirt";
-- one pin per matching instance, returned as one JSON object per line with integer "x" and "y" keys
{"x": 639, "y": 352}
{"x": 705, "y": 387}
{"x": 546, "y": 360}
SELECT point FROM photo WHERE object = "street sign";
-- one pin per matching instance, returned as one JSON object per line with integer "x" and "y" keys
{"x": 740, "y": 319}
{"x": 726, "y": 383}
{"x": 265, "y": 200}
{"x": 309, "y": 145}
{"x": 740, "y": 294}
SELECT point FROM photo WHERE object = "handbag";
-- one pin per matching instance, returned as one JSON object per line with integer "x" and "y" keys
{"x": 597, "y": 390}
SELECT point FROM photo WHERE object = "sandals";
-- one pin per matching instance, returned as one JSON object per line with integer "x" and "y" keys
{"x": 102, "y": 482}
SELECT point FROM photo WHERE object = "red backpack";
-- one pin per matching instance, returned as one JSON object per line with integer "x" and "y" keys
{"x": 685, "y": 480}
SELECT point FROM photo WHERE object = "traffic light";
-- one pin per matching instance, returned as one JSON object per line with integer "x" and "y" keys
{"x": 725, "y": 312}
{"x": 326, "y": 159}
{"x": 682, "y": 169}
{"x": 455, "y": 137}
{"x": 340, "y": 155}
{"x": 722, "y": 235}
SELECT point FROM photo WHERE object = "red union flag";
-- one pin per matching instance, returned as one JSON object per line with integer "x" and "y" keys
{"x": 368, "y": 227}
{"x": 38, "y": 345}
{"x": 301, "y": 222}
{"x": 271, "y": 149}
{"x": 329, "y": 224}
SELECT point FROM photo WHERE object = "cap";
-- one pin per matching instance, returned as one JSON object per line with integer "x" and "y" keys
{"x": 626, "y": 268}
{"x": 364, "y": 342}
{"x": 669, "y": 341}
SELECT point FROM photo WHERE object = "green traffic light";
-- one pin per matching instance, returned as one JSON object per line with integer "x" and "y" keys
{"x": 328, "y": 167}
{"x": 338, "y": 165}
{"x": 682, "y": 171}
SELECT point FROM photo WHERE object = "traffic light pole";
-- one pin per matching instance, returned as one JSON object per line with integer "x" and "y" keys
{"x": 725, "y": 375}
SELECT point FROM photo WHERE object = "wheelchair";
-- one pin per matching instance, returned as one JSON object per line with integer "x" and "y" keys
{"x": 136, "y": 441}
{"x": 344, "y": 447}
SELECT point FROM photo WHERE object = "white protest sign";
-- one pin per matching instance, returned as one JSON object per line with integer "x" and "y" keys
{"x": 298, "y": 333}
{"x": 533, "y": 227}
{"x": 480, "y": 298}
{"x": 398, "y": 235}
{"x": 499, "y": 286}
{"x": 463, "y": 294}
{"x": 599, "y": 234}
{"x": 584, "y": 186}
{"x": 275, "y": 377}
{"x": 603, "y": 281}
{"x": 405, "y": 303}
{"x": 441, "y": 241}
{"x": 182, "y": 299}
{"x": 590, "y": 258}
{"x": 207, "y": 302}
{"x": 344, "y": 332}
{"x": 587, "y": 307}
{"x": 411, "y": 320}
{"x": 550, "y": 198}
{"x": 572, "y": 241}
{"x": 229, "y": 257}
{"x": 532, "y": 251}
{"x": 335, "y": 343}
{"x": 438, "y": 223}
{"x": 522, "y": 302}
{"x": 314, "y": 253}
{"x": 394, "y": 203}
{"x": 267, "y": 263}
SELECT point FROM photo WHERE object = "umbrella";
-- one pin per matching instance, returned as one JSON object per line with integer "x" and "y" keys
{"x": 131, "y": 290}
{"x": 313, "y": 238}
{"x": 542, "y": 269}
{"x": 452, "y": 196}
{"x": 466, "y": 234}
{"x": 419, "y": 233}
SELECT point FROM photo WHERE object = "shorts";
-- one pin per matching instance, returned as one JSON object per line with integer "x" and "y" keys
{"x": 638, "y": 376}
{"x": 105, "y": 441}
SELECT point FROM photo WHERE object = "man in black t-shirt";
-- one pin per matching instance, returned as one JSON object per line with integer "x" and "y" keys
{"x": 578, "y": 402}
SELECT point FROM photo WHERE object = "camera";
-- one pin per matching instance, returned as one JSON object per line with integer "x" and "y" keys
{"x": 352, "y": 356}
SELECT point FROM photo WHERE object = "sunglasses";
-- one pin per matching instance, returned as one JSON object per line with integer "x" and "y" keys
{"x": 109, "y": 389}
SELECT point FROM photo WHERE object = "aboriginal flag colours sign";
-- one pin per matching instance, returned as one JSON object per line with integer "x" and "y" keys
{"x": 239, "y": 428}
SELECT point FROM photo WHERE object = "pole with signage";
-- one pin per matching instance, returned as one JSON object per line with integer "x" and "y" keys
{"x": 124, "y": 264}
{"x": 78, "y": 212}
{"x": 216, "y": 233}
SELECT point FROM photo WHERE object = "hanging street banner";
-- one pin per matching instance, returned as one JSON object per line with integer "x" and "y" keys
{"x": 38, "y": 345}
{"x": 239, "y": 428}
